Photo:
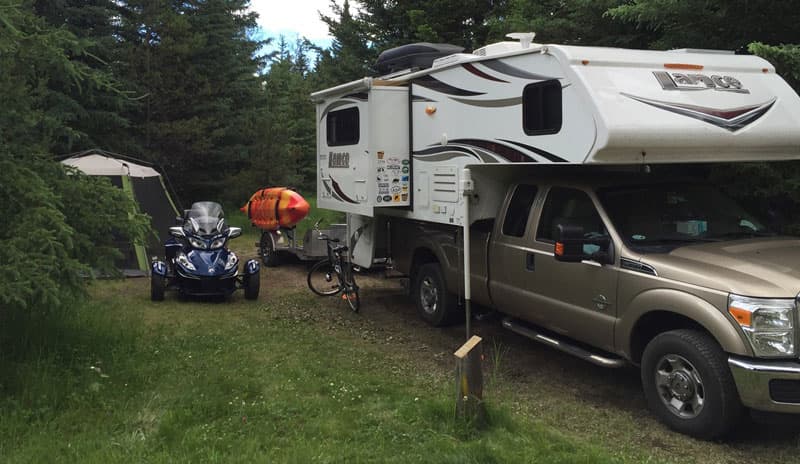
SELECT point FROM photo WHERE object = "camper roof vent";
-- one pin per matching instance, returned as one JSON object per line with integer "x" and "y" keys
{"x": 418, "y": 55}
{"x": 525, "y": 41}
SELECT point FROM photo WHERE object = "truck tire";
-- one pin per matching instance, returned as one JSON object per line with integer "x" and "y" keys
{"x": 435, "y": 304}
{"x": 688, "y": 385}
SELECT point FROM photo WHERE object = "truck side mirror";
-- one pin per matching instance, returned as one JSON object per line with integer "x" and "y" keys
{"x": 569, "y": 244}
{"x": 177, "y": 232}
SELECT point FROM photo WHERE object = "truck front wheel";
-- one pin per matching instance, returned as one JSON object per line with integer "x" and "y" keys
{"x": 435, "y": 305}
{"x": 688, "y": 384}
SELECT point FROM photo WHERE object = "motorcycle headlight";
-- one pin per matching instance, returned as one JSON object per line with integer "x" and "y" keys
{"x": 768, "y": 324}
{"x": 232, "y": 261}
{"x": 217, "y": 243}
{"x": 197, "y": 243}
{"x": 183, "y": 260}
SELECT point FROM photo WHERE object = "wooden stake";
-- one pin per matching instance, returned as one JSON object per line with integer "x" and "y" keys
{"x": 469, "y": 381}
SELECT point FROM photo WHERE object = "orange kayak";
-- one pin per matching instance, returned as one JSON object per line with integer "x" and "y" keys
{"x": 275, "y": 207}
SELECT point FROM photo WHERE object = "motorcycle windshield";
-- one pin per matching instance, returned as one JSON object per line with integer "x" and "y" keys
{"x": 206, "y": 218}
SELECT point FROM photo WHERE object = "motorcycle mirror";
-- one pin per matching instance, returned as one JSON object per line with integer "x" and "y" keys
{"x": 234, "y": 232}
{"x": 177, "y": 232}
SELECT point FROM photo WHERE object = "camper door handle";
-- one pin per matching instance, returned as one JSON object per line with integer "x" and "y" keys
{"x": 530, "y": 261}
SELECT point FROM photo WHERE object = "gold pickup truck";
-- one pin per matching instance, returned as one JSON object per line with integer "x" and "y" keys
{"x": 669, "y": 275}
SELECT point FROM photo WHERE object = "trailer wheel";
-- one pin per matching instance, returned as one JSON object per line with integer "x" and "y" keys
{"x": 435, "y": 304}
{"x": 688, "y": 384}
{"x": 267, "y": 251}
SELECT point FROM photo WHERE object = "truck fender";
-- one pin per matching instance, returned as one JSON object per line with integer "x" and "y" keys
{"x": 698, "y": 310}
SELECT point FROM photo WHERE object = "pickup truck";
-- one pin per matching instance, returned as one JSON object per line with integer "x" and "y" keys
{"x": 669, "y": 275}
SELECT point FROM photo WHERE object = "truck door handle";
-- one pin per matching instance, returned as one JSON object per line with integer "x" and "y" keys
{"x": 530, "y": 262}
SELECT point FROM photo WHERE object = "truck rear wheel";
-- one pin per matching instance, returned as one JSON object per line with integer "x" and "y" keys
{"x": 688, "y": 384}
{"x": 435, "y": 305}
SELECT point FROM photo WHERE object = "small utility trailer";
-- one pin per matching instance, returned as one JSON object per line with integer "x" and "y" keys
{"x": 276, "y": 244}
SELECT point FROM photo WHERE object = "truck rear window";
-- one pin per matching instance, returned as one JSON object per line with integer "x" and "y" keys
{"x": 518, "y": 210}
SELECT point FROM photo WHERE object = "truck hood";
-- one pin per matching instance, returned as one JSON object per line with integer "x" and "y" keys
{"x": 763, "y": 267}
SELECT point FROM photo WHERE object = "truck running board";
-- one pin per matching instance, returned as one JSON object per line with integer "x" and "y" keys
{"x": 604, "y": 360}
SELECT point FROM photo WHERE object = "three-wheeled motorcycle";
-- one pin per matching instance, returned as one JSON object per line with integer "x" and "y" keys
{"x": 197, "y": 260}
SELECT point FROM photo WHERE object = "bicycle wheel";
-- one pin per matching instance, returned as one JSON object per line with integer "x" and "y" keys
{"x": 351, "y": 289}
{"x": 322, "y": 279}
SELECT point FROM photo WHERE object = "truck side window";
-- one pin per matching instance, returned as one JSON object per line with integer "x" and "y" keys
{"x": 518, "y": 210}
{"x": 343, "y": 127}
{"x": 541, "y": 108}
{"x": 573, "y": 207}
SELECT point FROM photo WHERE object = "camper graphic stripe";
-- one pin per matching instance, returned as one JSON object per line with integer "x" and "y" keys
{"x": 731, "y": 119}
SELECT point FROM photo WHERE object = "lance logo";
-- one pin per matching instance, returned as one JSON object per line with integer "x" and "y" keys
{"x": 682, "y": 81}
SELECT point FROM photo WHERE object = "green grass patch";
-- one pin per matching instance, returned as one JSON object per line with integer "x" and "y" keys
{"x": 124, "y": 379}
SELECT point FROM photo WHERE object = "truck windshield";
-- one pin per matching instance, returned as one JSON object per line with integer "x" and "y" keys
{"x": 661, "y": 217}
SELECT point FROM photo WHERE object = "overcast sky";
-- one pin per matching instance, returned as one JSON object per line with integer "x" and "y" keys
{"x": 293, "y": 18}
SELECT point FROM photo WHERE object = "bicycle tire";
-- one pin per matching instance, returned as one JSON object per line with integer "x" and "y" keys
{"x": 351, "y": 295}
{"x": 350, "y": 288}
{"x": 322, "y": 279}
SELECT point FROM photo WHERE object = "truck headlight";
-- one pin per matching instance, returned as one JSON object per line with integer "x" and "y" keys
{"x": 183, "y": 260}
{"x": 767, "y": 322}
{"x": 232, "y": 261}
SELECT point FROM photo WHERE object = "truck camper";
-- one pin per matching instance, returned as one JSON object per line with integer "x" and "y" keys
{"x": 544, "y": 162}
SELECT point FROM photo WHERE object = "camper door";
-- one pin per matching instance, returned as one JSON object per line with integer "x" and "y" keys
{"x": 343, "y": 160}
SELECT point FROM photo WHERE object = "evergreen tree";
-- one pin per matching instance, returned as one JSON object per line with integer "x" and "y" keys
{"x": 197, "y": 65}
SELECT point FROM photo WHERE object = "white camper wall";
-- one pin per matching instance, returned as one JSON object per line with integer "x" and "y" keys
{"x": 390, "y": 181}
{"x": 374, "y": 171}
{"x": 343, "y": 169}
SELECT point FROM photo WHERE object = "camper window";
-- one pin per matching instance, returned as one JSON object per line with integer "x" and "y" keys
{"x": 518, "y": 210}
{"x": 541, "y": 108}
{"x": 343, "y": 127}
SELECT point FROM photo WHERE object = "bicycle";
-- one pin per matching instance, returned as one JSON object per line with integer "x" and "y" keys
{"x": 321, "y": 278}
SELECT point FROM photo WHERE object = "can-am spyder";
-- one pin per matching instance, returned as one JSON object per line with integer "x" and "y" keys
{"x": 198, "y": 262}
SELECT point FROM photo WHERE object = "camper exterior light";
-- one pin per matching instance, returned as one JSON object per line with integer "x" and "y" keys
{"x": 695, "y": 67}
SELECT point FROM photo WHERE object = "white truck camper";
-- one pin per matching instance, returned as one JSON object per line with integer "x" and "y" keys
{"x": 397, "y": 145}
{"x": 517, "y": 176}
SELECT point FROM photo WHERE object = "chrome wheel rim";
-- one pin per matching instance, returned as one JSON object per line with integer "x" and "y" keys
{"x": 429, "y": 296}
{"x": 680, "y": 386}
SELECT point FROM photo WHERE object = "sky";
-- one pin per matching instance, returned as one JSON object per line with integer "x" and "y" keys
{"x": 293, "y": 19}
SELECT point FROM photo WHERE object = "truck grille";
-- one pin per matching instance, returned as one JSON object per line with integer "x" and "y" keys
{"x": 784, "y": 390}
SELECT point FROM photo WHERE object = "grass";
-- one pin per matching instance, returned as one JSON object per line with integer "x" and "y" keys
{"x": 124, "y": 379}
